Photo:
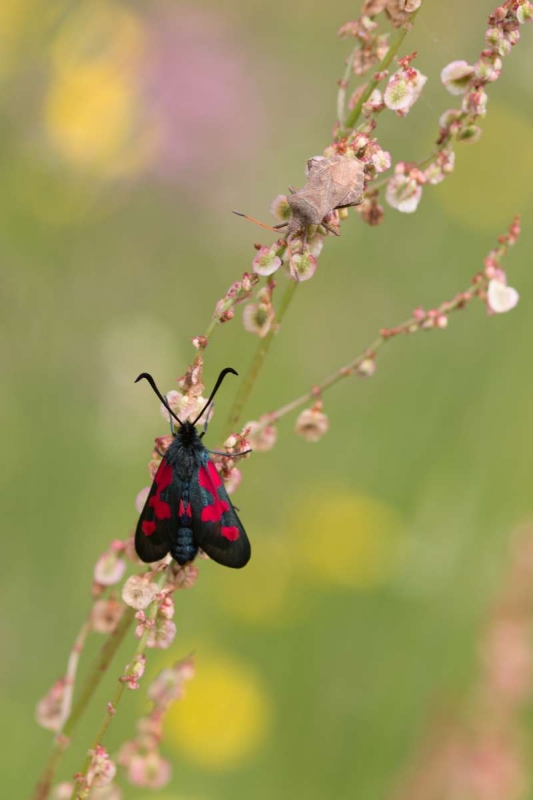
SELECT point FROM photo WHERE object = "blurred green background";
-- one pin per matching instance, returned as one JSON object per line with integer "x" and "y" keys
{"x": 129, "y": 131}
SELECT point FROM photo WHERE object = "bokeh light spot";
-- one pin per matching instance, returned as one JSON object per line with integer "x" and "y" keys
{"x": 345, "y": 538}
{"x": 93, "y": 114}
{"x": 224, "y": 718}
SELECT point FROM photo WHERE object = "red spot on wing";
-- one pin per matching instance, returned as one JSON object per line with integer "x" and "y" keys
{"x": 185, "y": 511}
{"x": 162, "y": 480}
{"x": 210, "y": 480}
{"x": 148, "y": 527}
{"x": 231, "y": 533}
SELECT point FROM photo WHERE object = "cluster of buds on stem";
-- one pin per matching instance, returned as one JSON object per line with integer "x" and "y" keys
{"x": 371, "y": 46}
{"x": 238, "y": 446}
{"x": 140, "y": 756}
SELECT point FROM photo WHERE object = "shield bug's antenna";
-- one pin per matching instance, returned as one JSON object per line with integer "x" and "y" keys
{"x": 152, "y": 383}
{"x": 261, "y": 224}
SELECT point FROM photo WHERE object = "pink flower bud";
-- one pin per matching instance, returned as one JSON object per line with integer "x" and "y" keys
{"x": 162, "y": 634}
{"x": 456, "y": 76}
{"x": 441, "y": 166}
{"x": 138, "y": 592}
{"x": 470, "y": 133}
{"x": 150, "y": 771}
{"x": 266, "y": 261}
{"x": 374, "y": 104}
{"x": 106, "y": 614}
{"x": 257, "y": 318}
{"x": 280, "y": 208}
{"x": 403, "y": 193}
{"x": 102, "y": 769}
{"x": 524, "y": 12}
{"x": 302, "y": 266}
{"x": 475, "y": 102}
{"x": 109, "y": 568}
{"x": 169, "y": 684}
{"x": 500, "y": 297}
{"x": 403, "y": 90}
{"x": 49, "y": 710}
{"x": 496, "y": 40}
{"x": 366, "y": 368}
{"x": 134, "y": 671}
{"x": 186, "y": 577}
{"x": 312, "y": 424}
{"x": 381, "y": 159}
{"x": 488, "y": 68}
{"x": 261, "y": 438}
{"x": 186, "y": 407}
{"x": 232, "y": 480}
{"x": 448, "y": 117}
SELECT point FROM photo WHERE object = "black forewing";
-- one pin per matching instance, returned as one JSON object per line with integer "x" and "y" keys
{"x": 153, "y": 535}
{"x": 216, "y": 527}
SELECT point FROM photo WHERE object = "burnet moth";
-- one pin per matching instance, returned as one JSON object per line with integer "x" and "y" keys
{"x": 188, "y": 507}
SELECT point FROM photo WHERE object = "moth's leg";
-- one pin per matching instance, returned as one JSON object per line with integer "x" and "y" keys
{"x": 230, "y": 455}
{"x": 207, "y": 420}
{"x": 293, "y": 190}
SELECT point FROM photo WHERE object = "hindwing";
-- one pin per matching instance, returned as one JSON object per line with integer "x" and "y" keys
{"x": 158, "y": 518}
{"x": 216, "y": 527}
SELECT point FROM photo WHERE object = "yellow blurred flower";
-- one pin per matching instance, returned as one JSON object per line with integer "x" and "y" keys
{"x": 345, "y": 538}
{"x": 92, "y": 108}
{"x": 225, "y": 716}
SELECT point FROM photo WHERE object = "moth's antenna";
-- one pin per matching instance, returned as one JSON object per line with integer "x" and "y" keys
{"x": 215, "y": 390}
{"x": 151, "y": 381}
{"x": 262, "y": 224}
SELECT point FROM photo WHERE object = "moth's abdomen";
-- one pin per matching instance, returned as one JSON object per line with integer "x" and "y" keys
{"x": 183, "y": 548}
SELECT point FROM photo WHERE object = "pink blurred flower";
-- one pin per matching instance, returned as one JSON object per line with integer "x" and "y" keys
{"x": 106, "y": 614}
{"x": 49, "y": 710}
{"x": 200, "y": 94}
{"x": 150, "y": 771}
{"x": 138, "y": 592}
{"x": 456, "y": 76}
{"x": 312, "y": 423}
{"x": 403, "y": 90}
{"x": 109, "y": 568}
{"x": 102, "y": 769}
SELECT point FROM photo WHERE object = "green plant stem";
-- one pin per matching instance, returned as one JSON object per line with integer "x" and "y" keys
{"x": 409, "y": 327}
{"x": 395, "y": 45}
{"x": 88, "y": 689}
{"x": 80, "y": 792}
{"x": 343, "y": 85}
{"x": 254, "y": 369}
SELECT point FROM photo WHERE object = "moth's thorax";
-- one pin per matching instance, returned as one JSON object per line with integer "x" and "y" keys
{"x": 185, "y": 450}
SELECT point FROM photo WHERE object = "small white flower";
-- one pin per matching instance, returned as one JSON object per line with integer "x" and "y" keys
{"x": 500, "y": 297}
{"x": 138, "y": 592}
{"x": 456, "y": 76}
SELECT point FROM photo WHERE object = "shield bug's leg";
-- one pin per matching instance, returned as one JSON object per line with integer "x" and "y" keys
{"x": 335, "y": 233}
